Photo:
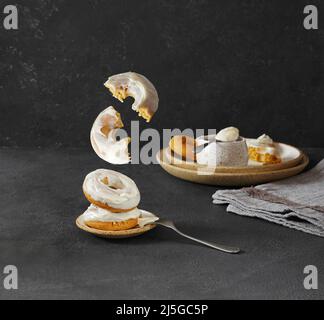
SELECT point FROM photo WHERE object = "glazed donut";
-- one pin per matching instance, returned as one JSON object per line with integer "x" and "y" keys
{"x": 131, "y": 84}
{"x": 111, "y": 190}
{"x": 103, "y": 219}
{"x": 184, "y": 146}
{"x": 103, "y": 137}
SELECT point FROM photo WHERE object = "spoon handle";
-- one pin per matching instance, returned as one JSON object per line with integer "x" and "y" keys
{"x": 220, "y": 247}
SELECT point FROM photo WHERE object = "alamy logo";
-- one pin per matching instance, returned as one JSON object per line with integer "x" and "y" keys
{"x": 311, "y": 20}
{"x": 311, "y": 280}
{"x": 10, "y": 21}
{"x": 10, "y": 281}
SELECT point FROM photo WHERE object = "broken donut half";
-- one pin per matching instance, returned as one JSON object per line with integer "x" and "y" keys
{"x": 131, "y": 84}
{"x": 104, "y": 132}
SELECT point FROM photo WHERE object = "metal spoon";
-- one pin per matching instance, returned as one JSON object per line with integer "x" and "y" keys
{"x": 169, "y": 224}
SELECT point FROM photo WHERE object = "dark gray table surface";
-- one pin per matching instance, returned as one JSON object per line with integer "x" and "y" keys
{"x": 41, "y": 196}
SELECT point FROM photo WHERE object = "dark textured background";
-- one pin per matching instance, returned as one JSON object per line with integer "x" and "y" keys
{"x": 215, "y": 63}
{"x": 58, "y": 261}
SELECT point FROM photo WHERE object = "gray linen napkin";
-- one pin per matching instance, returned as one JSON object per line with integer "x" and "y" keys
{"x": 296, "y": 202}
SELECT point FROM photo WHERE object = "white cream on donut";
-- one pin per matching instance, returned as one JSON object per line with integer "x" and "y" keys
{"x": 112, "y": 188}
{"x": 103, "y": 137}
{"x": 94, "y": 213}
{"x": 131, "y": 84}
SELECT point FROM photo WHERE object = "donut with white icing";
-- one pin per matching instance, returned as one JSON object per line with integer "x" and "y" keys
{"x": 114, "y": 198}
{"x": 103, "y": 137}
{"x": 111, "y": 190}
{"x": 103, "y": 219}
{"x": 131, "y": 84}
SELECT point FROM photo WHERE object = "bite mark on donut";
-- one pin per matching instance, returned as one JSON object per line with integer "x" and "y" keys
{"x": 111, "y": 122}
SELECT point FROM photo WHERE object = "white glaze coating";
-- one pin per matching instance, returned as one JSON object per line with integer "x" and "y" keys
{"x": 108, "y": 147}
{"x": 228, "y": 134}
{"x": 120, "y": 193}
{"x": 94, "y": 213}
{"x": 138, "y": 87}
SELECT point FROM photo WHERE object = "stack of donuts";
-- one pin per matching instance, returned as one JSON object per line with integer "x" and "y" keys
{"x": 113, "y": 199}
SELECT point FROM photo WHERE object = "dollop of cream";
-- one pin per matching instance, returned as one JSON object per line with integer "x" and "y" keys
{"x": 94, "y": 213}
{"x": 228, "y": 134}
{"x": 265, "y": 140}
{"x": 112, "y": 188}
{"x": 264, "y": 144}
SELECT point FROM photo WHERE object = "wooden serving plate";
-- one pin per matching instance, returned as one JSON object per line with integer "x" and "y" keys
{"x": 291, "y": 157}
{"x": 114, "y": 234}
{"x": 230, "y": 179}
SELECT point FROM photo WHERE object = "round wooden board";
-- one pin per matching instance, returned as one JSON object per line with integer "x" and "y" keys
{"x": 292, "y": 156}
{"x": 231, "y": 179}
{"x": 114, "y": 234}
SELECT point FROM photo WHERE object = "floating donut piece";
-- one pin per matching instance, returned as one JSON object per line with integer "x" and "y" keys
{"x": 131, "y": 84}
{"x": 111, "y": 190}
{"x": 103, "y": 137}
{"x": 184, "y": 146}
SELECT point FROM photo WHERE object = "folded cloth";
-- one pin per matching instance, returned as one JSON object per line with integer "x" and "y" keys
{"x": 296, "y": 202}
